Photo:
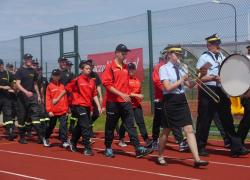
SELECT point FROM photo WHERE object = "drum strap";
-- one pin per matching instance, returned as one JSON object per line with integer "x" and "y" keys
{"x": 211, "y": 55}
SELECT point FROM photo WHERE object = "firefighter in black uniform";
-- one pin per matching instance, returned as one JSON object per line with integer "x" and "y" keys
{"x": 28, "y": 98}
{"x": 6, "y": 79}
{"x": 66, "y": 77}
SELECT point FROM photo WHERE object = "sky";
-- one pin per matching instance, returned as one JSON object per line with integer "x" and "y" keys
{"x": 24, "y": 17}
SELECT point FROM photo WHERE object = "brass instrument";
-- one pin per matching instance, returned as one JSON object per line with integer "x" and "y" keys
{"x": 192, "y": 72}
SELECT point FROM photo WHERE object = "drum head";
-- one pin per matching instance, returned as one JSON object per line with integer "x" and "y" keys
{"x": 235, "y": 75}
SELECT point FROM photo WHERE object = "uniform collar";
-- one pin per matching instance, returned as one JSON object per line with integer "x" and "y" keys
{"x": 114, "y": 64}
{"x": 85, "y": 76}
{"x": 132, "y": 77}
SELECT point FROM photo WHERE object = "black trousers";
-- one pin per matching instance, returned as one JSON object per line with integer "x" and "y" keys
{"x": 115, "y": 111}
{"x": 28, "y": 108}
{"x": 5, "y": 107}
{"x": 139, "y": 119}
{"x": 207, "y": 108}
{"x": 157, "y": 120}
{"x": 83, "y": 125}
{"x": 244, "y": 125}
{"x": 94, "y": 116}
{"x": 62, "y": 127}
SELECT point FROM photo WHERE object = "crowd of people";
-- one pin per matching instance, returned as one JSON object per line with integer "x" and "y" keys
{"x": 36, "y": 104}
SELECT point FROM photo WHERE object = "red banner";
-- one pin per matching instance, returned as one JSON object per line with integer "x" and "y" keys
{"x": 102, "y": 59}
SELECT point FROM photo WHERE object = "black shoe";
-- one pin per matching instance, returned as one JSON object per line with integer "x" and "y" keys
{"x": 244, "y": 151}
{"x": 149, "y": 143}
{"x": 22, "y": 141}
{"x": 29, "y": 134}
{"x": 72, "y": 147}
{"x": 199, "y": 163}
{"x": 203, "y": 152}
{"x": 88, "y": 151}
{"x": 142, "y": 151}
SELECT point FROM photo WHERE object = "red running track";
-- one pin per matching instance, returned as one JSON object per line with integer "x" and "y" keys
{"x": 33, "y": 161}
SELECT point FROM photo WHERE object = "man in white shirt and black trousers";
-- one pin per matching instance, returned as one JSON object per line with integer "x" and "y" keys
{"x": 207, "y": 107}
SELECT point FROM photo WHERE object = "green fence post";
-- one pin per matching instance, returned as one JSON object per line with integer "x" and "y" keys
{"x": 76, "y": 49}
{"x": 61, "y": 42}
{"x": 41, "y": 51}
{"x": 21, "y": 50}
{"x": 150, "y": 50}
{"x": 46, "y": 70}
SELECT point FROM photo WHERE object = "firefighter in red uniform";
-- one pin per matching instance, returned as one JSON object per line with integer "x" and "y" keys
{"x": 58, "y": 111}
{"x": 81, "y": 105}
{"x": 136, "y": 98}
{"x": 115, "y": 79}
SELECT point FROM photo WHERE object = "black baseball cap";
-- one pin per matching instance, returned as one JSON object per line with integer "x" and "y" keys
{"x": 27, "y": 56}
{"x": 35, "y": 62}
{"x": 8, "y": 65}
{"x": 56, "y": 72}
{"x": 248, "y": 47}
{"x": 122, "y": 48}
{"x": 62, "y": 59}
{"x": 131, "y": 66}
{"x": 1, "y": 62}
{"x": 69, "y": 63}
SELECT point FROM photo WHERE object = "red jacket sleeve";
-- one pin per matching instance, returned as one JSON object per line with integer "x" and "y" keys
{"x": 71, "y": 85}
{"x": 107, "y": 77}
{"x": 104, "y": 101}
{"x": 156, "y": 78}
{"x": 48, "y": 100}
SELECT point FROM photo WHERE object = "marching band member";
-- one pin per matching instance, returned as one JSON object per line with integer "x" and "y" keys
{"x": 207, "y": 107}
{"x": 158, "y": 108}
{"x": 177, "y": 113}
{"x": 244, "y": 125}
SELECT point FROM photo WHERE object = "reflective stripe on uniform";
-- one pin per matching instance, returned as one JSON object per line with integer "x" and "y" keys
{"x": 73, "y": 118}
{"x": 36, "y": 122}
{"x": 20, "y": 126}
{"x": 7, "y": 122}
{"x": 27, "y": 123}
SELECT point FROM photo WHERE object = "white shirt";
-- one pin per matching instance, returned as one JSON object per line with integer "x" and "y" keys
{"x": 167, "y": 72}
{"x": 214, "y": 69}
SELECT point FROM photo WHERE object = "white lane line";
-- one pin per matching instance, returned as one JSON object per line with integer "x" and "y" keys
{"x": 99, "y": 165}
{"x": 20, "y": 175}
{"x": 179, "y": 159}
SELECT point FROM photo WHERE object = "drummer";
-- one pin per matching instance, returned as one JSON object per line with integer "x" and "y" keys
{"x": 207, "y": 107}
{"x": 245, "y": 121}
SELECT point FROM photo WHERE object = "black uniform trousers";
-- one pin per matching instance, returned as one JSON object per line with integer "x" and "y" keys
{"x": 157, "y": 121}
{"x": 94, "y": 116}
{"x": 115, "y": 111}
{"x": 5, "y": 107}
{"x": 139, "y": 119}
{"x": 63, "y": 130}
{"x": 83, "y": 125}
{"x": 28, "y": 108}
{"x": 244, "y": 125}
{"x": 207, "y": 108}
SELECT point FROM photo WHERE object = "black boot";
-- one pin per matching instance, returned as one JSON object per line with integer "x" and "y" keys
{"x": 22, "y": 139}
{"x": 9, "y": 129}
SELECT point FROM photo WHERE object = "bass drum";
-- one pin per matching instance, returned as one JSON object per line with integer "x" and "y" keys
{"x": 235, "y": 75}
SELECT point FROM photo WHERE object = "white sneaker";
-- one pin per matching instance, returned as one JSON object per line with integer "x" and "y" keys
{"x": 65, "y": 145}
{"x": 122, "y": 143}
{"x": 46, "y": 142}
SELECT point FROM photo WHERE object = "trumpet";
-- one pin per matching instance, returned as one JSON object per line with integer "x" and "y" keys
{"x": 192, "y": 72}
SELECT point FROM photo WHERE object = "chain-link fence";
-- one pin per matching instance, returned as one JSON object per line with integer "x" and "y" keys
{"x": 187, "y": 26}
